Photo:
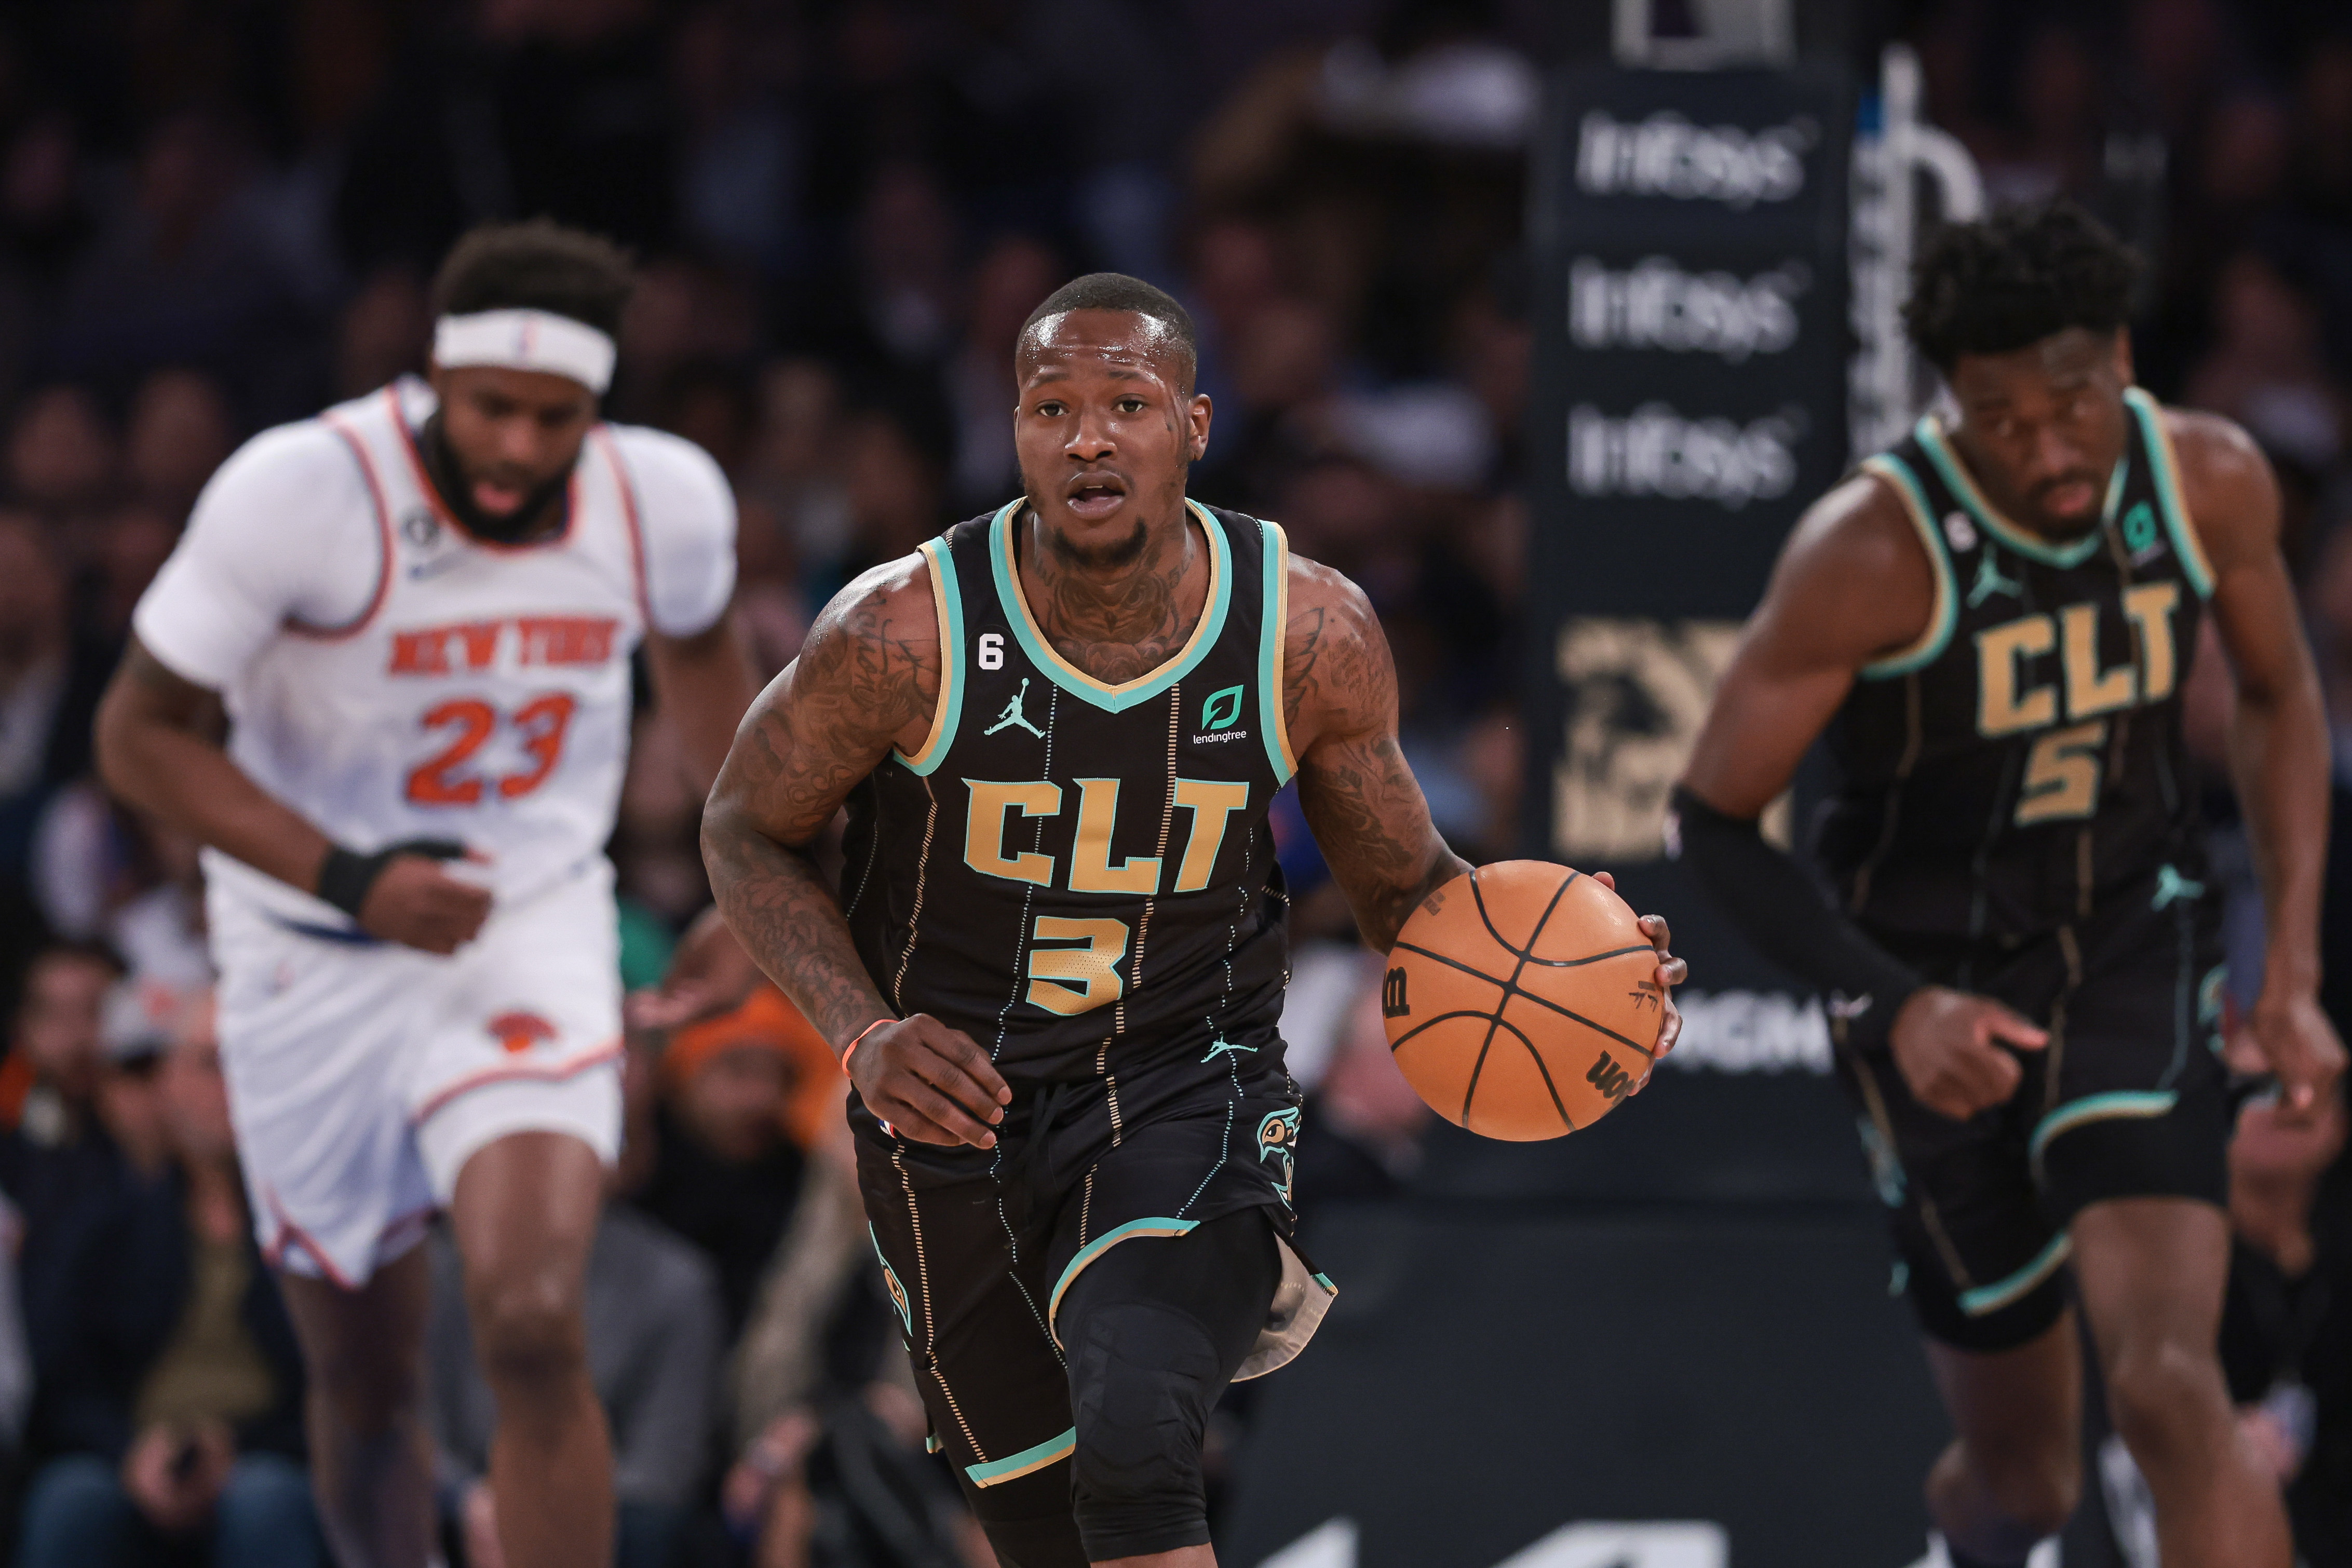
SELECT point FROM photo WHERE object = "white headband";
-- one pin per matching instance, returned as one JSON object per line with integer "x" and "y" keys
{"x": 527, "y": 340}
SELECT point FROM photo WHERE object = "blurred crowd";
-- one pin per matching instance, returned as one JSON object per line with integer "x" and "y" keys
{"x": 218, "y": 215}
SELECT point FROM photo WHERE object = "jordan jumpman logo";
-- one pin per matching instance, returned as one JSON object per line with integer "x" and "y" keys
{"x": 1012, "y": 714}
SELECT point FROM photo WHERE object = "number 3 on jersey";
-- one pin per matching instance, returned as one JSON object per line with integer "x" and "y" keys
{"x": 539, "y": 724}
{"x": 1072, "y": 980}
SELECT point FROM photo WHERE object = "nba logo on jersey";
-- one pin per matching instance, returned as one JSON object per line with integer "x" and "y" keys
{"x": 517, "y": 1032}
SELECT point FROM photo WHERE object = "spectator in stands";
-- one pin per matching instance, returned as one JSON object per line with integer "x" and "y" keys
{"x": 179, "y": 430}
{"x": 61, "y": 455}
{"x": 49, "y": 682}
{"x": 1369, "y": 1123}
{"x": 169, "y": 1411}
{"x": 656, "y": 1332}
{"x": 2286, "y": 1330}
{"x": 726, "y": 1174}
{"x": 828, "y": 1429}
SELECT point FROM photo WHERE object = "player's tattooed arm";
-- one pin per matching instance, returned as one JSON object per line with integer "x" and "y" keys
{"x": 867, "y": 680}
{"x": 2279, "y": 752}
{"x": 1340, "y": 709}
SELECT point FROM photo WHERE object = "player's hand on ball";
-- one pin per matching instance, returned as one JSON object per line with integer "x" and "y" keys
{"x": 930, "y": 1083}
{"x": 415, "y": 903}
{"x": 2295, "y": 1037}
{"x": 1672, "y": 972}
{"x": 1947, "y": 1045}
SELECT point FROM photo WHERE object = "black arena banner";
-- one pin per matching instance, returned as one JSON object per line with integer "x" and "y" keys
{"x": 1690, "y": 307}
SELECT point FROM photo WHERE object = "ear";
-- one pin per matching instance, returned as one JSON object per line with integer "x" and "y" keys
{"x": 1199, "y": 413}
{"x": 2123, "y": 372}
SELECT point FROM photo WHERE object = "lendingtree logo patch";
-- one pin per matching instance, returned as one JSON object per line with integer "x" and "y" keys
{"x": 1223, "y": 710}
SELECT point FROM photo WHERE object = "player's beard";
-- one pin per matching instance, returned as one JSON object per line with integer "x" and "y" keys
{"x": 458, "y": 491}
{"x": 1116, "y": 556}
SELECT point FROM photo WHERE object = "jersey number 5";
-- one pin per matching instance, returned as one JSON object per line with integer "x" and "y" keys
{"x": 538, "y": 723}
{"x": 2062, "y": 774}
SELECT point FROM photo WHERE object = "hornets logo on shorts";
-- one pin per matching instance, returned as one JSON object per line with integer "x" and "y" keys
{"x": 890, "y": 1282}
{"x": 1277, "y": 1138}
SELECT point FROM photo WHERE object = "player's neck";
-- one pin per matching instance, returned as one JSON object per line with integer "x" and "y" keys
{"x": 1107, "y": 613}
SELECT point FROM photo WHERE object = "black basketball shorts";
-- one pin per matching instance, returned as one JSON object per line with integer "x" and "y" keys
{"x": 979, "y": 1248}
{"x": 2129, "y": 1099}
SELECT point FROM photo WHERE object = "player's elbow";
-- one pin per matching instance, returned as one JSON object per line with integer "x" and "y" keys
{"x": 733, "y": 844}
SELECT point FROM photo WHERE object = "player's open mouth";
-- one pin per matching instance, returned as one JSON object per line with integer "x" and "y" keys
{"x": 498, "y": 499}
{"x": 1096, "y": 495}
{"x": 2070, "y": 499}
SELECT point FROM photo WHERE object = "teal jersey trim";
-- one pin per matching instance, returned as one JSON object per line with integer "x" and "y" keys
{"x": 949, "y": 602}
{"x": 1102, "y": 1243}
{"x": 2166, "y": 467}
{"x": 1069, "y": 677}
{"x": 1939, "y": 634}
{"x": 1015, "y": 1465}
{"x": 1992, "y": 1298}
{"x": 2098, "y": 1108}
{"x": 2023, "y": 541}
{"x": 1275, "y": 619}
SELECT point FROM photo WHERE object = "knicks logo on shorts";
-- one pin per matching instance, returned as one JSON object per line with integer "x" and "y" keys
{"x": 517, "y": 1032}
{"x": 1278, "y": 1141}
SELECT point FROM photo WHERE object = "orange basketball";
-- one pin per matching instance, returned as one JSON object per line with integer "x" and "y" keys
{"x": 1522, "y": 1001}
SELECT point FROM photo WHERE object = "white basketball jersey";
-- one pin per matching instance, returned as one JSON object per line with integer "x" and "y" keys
{"x": 482, "y": 696}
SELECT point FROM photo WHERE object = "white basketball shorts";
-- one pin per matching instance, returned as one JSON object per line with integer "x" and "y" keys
{"x": 361, "y": 1077}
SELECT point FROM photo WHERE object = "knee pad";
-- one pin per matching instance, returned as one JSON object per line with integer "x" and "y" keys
{"x": 1142, "y": 1380}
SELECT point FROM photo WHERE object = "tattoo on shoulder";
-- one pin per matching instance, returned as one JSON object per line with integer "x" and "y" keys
{"x": 1336, "y": 671}
{"x": 868, "y": 672}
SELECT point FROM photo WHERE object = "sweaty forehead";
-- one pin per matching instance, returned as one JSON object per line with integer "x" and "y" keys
{"x": 1112, "y": 342}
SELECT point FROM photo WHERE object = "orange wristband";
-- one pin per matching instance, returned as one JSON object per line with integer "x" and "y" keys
{"x": 850, "y": 1049}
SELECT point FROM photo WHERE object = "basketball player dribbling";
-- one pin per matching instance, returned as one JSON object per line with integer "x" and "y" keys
{"x": 1992, "y": 623}
{"x": 1056, "y": 960}
{"x": 419, "y": 610}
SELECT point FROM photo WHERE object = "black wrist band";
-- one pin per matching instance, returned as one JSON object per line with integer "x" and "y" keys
{"x": 345, "y": 875}
{"x": 1790, "y": 919}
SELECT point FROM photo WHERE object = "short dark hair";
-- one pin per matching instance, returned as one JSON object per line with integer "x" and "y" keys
{"x": 1118, "y": 291}
{"x": 2016, "y": 277}
{"x": 541, "y": 264}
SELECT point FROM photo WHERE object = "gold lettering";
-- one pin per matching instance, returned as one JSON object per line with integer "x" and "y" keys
{"x": 1213, "y": 804}
{"x": 983, "y": 828}
{"x": 2062, "y": 774}
{"x": 1090, "y": 868}
{"x": 2091, "y": 690}
{"x": 1095, "y": 966}
{"x": 2002, "y": 708}
{"x": 2150, "y": 607}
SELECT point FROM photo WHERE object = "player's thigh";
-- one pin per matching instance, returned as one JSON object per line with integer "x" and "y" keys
{"x": 364, "y": 1349}
{"x": 2138, "y": 1105}
{"x": 963, "y": 1283}
{"x": 2151, "y": 1272}
{"x": 1981, "y": 1262}
{"x": 524, "y": 1218}
{"x": 527, "y": 1036}
{"x": 317, "y": 1038}
{"x": 2019, "y": 1409}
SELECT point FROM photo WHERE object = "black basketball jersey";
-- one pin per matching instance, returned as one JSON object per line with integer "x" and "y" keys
{"x": 1080, "y": 875}
{"x": 2023, "y": 761}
